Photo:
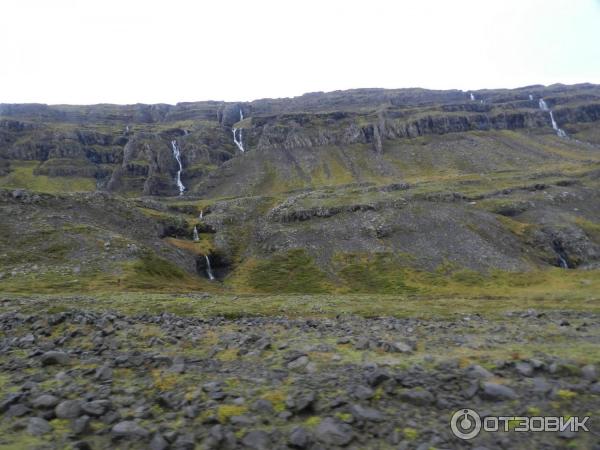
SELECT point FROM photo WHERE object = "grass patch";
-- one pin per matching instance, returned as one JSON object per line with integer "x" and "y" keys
{"x": 287, "y": 272}
{"x": 22, "y": 177}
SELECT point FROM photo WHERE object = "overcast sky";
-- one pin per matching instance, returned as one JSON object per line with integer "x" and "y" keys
{"x": 125, "y": 51}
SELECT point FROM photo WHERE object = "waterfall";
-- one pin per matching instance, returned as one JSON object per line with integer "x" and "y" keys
{"x": 472, "y": 96}
{"x": 560, "y": 132}
{"x": 201, "y": 216}
{"x": 209, "y": 273}
{"x": 177, "y": 155}
{"x": 196, "y": 237}
{"x": 562, "y": 262}
{"x": 544, "y": 107}
{"x": 239, "y": 142}
{"x": 560, "y": 254}
{"x": 530, "y": 97}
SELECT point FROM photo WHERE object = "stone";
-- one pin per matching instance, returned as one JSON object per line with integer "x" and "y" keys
{"x": 54, "y": 358}
{"x": 589, "y": 372}
{"x": 257, "y": 440}
{"x": 158, "y": 443}
{"x": 17, "y": 410}
{"x": 298, "y": 363}
{"x": 95, "y": 408}
{"x": 81, "y": 425}
{"x": 68, "y": 409}
{"x": 524, "y": 368}
{"x": 497, "y": 392}
{"x": 129, "y": 429}
{"x": 401, "y": 347}
{"x": 476, "y": 371}
{"x": 333, "y": 432}
{"x": 45, "y": 401}
{"x": 38, "y": 426}
{"x": 363, "y": 392}
{"x": 419, "y": 397}
{"x": 376, "y": 377}
{"x": 302, "y": 402}
{"x": 104, "y": 373}
{"x": 368, "y": 414}
{"x": 299, "y": 438}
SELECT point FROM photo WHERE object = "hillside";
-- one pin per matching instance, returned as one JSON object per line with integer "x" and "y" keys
{"x": 368, "y": 190}
{"x": 337, "y": 270}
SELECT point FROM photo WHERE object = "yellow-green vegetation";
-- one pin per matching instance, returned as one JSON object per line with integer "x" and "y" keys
{"x": 225, "y": 412}
{"x": 566, "y": 394}
{"x": 377, "y": 272}
{"x": 312, "y": 421}
{"x": 277, "y": 398}
{"x": 286, "y": 272}
{"x": 164, "y": 381}
{"x": 410, "y": 433}
{"x": 202, "y": 247}
{"x": 22, "y": 177}
{"x": 592, "y": 229}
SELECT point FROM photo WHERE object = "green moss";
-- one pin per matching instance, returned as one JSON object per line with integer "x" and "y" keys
{"x": 592, "y": 229}
{"x": 410, "y": 433}
{"x": 312, "y": 421}
{"x": 152, "y": 266}
{"x": 22, "y": 177}
{"x": 225, "y": 412}
{"x": 380, "y": 272}
{"x": 287, "y": 272}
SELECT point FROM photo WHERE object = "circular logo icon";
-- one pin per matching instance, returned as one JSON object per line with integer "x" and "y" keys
{"x": 465, "y": 424}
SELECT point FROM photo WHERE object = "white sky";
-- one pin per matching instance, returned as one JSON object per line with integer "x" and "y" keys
{"x": 126, "y": 51}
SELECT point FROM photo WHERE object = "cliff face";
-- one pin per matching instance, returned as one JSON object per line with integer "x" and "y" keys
{"x": 363, "y": 183}
{"x": 128, "y": 148}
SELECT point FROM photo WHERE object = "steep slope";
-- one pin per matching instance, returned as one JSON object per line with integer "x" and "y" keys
{"x": 364, "y": 190}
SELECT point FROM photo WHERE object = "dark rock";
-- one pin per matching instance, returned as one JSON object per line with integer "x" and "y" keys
{"x": 263, "y": 406}
{"x": 38, "y": 426}
{"x": 17, "y": 410}
{"x": 95, "y": 408}
{"x": 9, "y": 400}
{"x": 81, "y": 425}
{"x": 497, "y": 392}
{"x": 302, "y": 402}
{"x": 45, "y": 401}
{"x": 54, "y": 358}
{"x": 68, "y": 409}
{"x": 158, "y": 443}
{"x": 333, "y": 432}
{"x": 299, "y": 438}
{"x": 376, "y": 377}
{"x": 129, "y": 430}
{"x": 589, "y": 372}
{"x": 368, "y": 414}
{"x": 363, "y": 392}
{"x": 476, "y": 371}
{"x": 419, "y": 397}
{"x": 258, "y": 440}
{"x": 103, "y": 373}
{"x": 524, "y": 368}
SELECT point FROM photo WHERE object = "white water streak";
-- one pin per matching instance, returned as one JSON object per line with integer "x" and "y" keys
{"x": 208, "y": 268}
{"x": 177, "y": 155}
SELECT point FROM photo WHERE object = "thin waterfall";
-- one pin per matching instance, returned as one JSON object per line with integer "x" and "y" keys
{"x": 239, "y": 142}
{"x": 209, "y": 273}
{"x": 530, "y": 97}
{"x": 472, "y": 96}
{"x": 544, "y": 107}
{"x": 196, "y": 237}
{"x": 177, "y": 155}
{"x": 201, "y": 216}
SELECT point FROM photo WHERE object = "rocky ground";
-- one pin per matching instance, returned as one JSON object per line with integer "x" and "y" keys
{"x": 81, "y": 378}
